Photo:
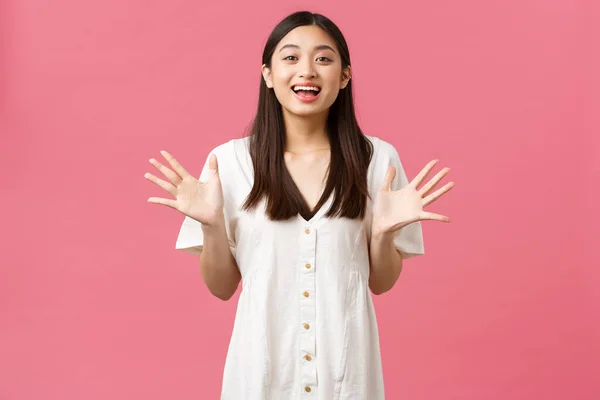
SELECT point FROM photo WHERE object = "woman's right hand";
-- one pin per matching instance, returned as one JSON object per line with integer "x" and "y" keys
{"x": 202, "y": 201}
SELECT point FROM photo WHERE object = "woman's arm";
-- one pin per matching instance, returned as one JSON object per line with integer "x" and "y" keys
{"x": 217, "y": 265}
{"x": 385, "y": 262}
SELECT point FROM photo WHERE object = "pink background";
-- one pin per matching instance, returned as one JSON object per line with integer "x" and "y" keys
{"x": 95, "y": 303}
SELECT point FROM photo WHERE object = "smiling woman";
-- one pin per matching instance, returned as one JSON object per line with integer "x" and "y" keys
{"x": 303, "y": 55}
{"x": 313, "y": 215}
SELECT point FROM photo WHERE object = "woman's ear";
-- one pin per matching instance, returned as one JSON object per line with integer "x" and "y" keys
{"x": 266, "y": 73}
{"x": 346, "y": 76}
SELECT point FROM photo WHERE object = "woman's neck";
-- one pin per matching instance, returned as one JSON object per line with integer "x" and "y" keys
{"x": 304, "y": 134}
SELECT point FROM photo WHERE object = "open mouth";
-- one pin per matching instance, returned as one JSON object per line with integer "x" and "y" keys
{"x": 306, "y": 91}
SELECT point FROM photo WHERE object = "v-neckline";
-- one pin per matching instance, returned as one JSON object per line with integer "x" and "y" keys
{"x": 316, "y": 215}
{"x": 319, "y": 213}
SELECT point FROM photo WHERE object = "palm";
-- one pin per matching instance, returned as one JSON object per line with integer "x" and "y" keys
{"x": 393, "y": 210}
{"x": 199, "y": 200}
{"x": 202, "y": 201}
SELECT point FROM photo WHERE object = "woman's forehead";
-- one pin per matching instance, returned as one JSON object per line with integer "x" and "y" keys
{"x": 307, "y": 38}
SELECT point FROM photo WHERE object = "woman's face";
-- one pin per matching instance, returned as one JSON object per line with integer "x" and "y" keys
{"x": 306, "y": 55}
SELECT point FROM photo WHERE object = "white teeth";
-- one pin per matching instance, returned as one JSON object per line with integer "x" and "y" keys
{"x": 296, "y": 88}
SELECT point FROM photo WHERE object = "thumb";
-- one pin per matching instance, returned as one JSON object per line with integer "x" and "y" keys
{"x": 213, "y": 165}
{"x": 389, "y": 178}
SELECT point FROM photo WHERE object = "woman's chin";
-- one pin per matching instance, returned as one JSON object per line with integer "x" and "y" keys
{"x": 306, "y": 112}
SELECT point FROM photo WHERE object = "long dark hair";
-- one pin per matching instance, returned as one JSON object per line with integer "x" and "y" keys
{"x": 351, "y": 151}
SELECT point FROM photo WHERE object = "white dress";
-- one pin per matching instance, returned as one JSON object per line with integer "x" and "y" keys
{"x": 305, "y": 326}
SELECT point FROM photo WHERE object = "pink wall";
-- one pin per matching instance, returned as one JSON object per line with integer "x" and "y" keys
{"x": 95, "y": 303}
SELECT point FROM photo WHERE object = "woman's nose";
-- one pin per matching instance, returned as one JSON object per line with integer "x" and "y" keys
{"x": 307, "y": 69}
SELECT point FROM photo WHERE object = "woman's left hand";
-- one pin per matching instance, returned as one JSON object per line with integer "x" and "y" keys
{"x": 393, "y": 210}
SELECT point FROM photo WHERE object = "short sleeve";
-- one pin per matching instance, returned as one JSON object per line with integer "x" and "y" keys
{"x": 191, "y": 237}
{"x": 408, "y": 240}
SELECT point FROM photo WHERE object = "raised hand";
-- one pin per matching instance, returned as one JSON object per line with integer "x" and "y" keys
{"x": 392, "y": 210}
{"x": 202, "y": 201}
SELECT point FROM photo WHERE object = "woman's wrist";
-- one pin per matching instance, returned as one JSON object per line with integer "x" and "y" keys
{"x": 215, "y": 227}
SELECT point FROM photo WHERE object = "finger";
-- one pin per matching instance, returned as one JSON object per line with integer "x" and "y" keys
{"x": 389, "y": 178}
{"x": 421, "y": 176}
{"x": 437, "y": 194}
{"x": 166, "y": 202}
{"x": 424, "y": 191}
{"x": 163, "y": 184}
{"x": 433, "y": 217}
{"x": 173, "y": 177}
{"x": 175, "y": 164}
{"x": 213, "y": 165}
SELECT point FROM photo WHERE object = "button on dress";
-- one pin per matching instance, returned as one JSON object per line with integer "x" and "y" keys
{"x": 305, "y": 325}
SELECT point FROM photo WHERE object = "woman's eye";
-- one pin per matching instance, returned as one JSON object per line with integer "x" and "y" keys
{"x": 291, "y": 58}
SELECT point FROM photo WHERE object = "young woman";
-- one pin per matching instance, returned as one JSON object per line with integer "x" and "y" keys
{"x": 311, "y": 215}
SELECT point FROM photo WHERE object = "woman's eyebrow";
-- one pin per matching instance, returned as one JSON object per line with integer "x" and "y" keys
{"x": 318, "y": 47}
